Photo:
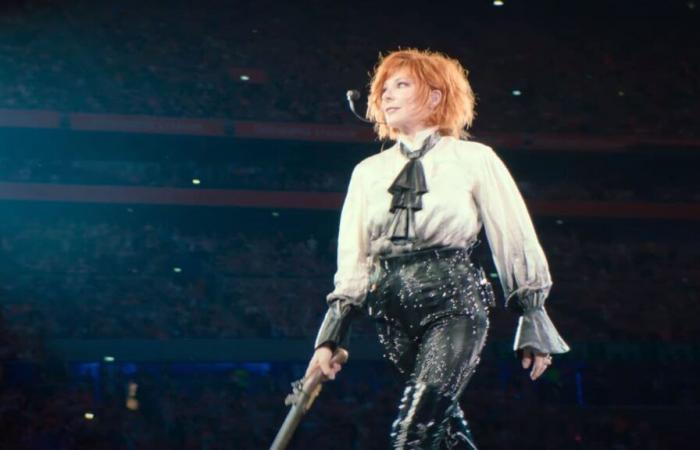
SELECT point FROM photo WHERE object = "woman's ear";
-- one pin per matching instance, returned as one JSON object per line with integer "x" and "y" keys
{"x": 435, "y": 98}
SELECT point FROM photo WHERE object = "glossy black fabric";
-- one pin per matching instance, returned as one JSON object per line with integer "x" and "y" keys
{"x": 407, "y": 191}
{"x": 431, "y": 310}
{"x": 335, "y": 326}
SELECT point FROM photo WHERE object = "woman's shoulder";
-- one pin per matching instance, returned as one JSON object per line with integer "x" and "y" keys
{"x": 469, "y": 151}
{"x": 378, "y": 160}
{"x": 470, "y": 147}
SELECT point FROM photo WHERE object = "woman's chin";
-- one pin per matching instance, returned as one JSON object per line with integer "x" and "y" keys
{"x": 395, "y": 124}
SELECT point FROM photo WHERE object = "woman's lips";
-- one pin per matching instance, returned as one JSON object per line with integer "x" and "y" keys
{"x": 390, "y": 110}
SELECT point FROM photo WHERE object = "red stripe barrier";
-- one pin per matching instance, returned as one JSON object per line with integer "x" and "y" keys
{"x": 311, "y": 200}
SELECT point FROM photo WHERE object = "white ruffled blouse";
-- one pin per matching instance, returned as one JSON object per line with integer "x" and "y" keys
{"x": 468, "y": 186}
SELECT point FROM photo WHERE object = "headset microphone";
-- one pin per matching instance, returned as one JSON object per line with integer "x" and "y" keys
{"x": 351, "y": 96}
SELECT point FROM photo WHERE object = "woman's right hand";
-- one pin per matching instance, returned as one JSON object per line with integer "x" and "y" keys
{"x": 322, "y": 359}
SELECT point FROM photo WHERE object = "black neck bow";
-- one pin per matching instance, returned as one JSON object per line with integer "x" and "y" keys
{"x": 407, "y": 190}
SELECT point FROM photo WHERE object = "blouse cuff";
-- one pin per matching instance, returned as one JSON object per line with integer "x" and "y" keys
{"x": 535, "y": 328}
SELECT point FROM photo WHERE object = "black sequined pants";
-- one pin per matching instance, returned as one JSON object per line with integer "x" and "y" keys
{"x": 431, "y": 310}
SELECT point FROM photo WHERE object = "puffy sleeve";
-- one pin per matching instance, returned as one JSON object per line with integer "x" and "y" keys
{"x": 351, "y": 278}
{"x": 521, "y": 264}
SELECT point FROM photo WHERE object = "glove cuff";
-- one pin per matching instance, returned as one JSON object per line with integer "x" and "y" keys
{"x": 335, "y": 327}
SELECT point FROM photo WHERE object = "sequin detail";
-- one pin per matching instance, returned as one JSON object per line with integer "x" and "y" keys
{"x": 431, "y": 309}
{"x": 414, "y": 291}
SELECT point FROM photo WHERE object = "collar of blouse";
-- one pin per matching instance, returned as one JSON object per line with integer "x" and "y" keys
{"x": 417, "y": 141}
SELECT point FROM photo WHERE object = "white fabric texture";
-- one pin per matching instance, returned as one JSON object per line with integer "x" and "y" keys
{"x": 468, "y": 187}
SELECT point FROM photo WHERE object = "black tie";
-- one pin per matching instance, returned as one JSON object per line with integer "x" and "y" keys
{"x": 407, "y": 190}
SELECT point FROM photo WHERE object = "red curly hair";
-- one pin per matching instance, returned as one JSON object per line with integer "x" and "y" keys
{"x": 431, "y": 70}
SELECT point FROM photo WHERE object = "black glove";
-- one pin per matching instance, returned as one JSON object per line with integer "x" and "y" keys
{"x": 336, "y": 324}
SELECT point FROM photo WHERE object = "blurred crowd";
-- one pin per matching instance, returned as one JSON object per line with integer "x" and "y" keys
{"x": 85, "y": 280}
{"x": 91, "y": 272}
{"x": 216, "y": 407}
{"x": 607, "y": 185}
{"x": 569, "y": 74}
{"x": 74, "y": 277}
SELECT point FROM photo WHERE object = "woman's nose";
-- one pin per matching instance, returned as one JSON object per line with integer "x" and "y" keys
{"x": 387, "y": 95}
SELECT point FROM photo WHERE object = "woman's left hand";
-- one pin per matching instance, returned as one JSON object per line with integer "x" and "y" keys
{"x": 541, "y": 361}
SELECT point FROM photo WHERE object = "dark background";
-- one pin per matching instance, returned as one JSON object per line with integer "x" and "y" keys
{"x": 136, "y": 314}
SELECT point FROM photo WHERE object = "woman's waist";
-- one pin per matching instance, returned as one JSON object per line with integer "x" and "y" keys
{"x": 429, "y": 273}
{"x": 434, "y": 254}
{"x": 382, "y": 246}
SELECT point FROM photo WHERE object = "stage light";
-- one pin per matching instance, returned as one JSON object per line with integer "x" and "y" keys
{"x": 177, "y": 270}
{"x": 89, "y": 416}
{"x": 108, "y": 359}
{"x": 275, "y": 214}
{"x": 245, "y": 78}
{"x": 498, "y": 3}
{"x": 196, "y": 181}
{"x": 559, "y": 222}
{"x": 516, "y": 92}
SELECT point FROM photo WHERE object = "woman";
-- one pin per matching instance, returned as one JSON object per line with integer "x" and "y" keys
{"x": 410, "y": 218}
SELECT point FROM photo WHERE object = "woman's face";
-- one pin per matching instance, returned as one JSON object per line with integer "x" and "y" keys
{"x": 400, "y": 104}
